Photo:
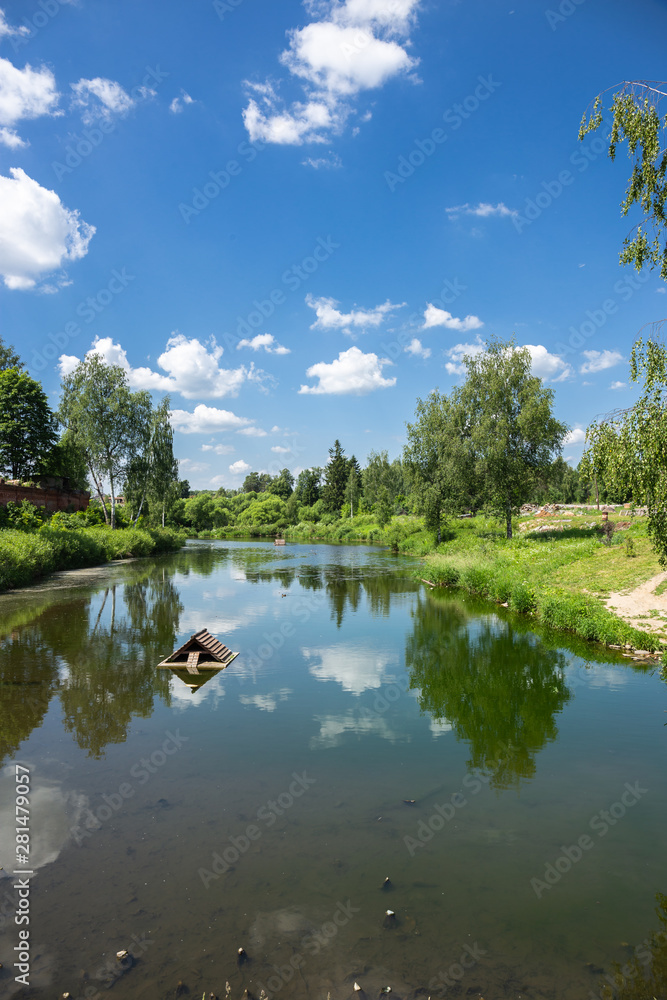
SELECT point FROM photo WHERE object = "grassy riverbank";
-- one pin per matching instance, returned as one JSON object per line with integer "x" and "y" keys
{"x": 560, "y": 573}
{"x": 26, "y": 556}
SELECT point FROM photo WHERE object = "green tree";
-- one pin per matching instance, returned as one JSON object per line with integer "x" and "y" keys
{"x": 256, "y": 482}
{"x": 283, "y": 485}
{"x": 636, "y": 119}
{"x": 513, "y": 433}
{"x": 199, "y": 511}
{"x": 379, "y": 472}
{"x": 27, "y": 425}
{"x": 162, "y": 485}
{"x": 109, "y": 422}
{"x": 307, "y": 488}
{"x": 67, "y": 461}
{"x": 438, "y": 460}
{"x": 383, "y": 507}
{"x": 8, "y": 357}
{"x": 353, "y": 489}
{"x": 336, "y": 475}
{"x": 184, "y": 489}
{"x": 629, "y": 447}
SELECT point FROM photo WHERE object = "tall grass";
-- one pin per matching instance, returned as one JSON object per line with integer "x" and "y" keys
{"x": 26, "y": 556}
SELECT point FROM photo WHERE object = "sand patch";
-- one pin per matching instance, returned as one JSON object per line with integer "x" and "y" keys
{"x": 635, "y": 605}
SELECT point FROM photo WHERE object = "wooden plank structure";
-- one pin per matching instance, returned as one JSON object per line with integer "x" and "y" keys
{"x": 278, "y": 541}
{"x": 202, "y": 651}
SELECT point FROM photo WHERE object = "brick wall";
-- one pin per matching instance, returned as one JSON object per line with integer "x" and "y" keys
{"x": 52, "y": 499}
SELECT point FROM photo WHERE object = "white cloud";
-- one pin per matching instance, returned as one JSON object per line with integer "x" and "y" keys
{"x": 349, "y": 48}
{"x": 218, "y": 449}
{"x": 416, "y": 348}
{"x": 24, "y": 93}
{"x": 483, "y": 210}
{"x": 661, "y": 291}
{"x": 192, "y": 368}
{"x": 458, "y": 352}
{"x": 266, "y": 702}
{"x": 177, "y": 104}
{"x": 330, "y": 318}
{"x": 187, "y": 465}
{"x": 102, "y": 98}
{"x": 576, "y": 436}
{"x": 38, "y": 234}
{"x": 280, "y": 449}
{"x": 206, "y": 420}
{"x": 9, "y": 137}
{"x": 599, "y": 360}
{"x": 330, "y": 162}
{"x": 265, "y": 340}
{"x": 256, "y": 432}
{"x": 440, "y": 317}
{"x": 355, "y": 668}
{"x": 8, "y": 30}
{"x": 549, "y": 367}
{"x": 352, "y": 373}
{"x": 618, "y": 385}
{"x": 239, "y": 468}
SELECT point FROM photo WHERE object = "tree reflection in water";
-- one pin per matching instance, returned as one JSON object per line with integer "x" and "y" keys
{"x": 98, "y": 652}
{"x": 499, "y": 690}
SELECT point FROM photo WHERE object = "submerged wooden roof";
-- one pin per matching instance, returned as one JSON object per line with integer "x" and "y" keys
{"x": 201, "y": 650}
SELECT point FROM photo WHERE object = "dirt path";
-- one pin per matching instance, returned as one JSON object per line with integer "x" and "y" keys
{"x": 642, "y": 601}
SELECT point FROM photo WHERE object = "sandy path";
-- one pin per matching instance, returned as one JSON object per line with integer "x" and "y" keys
{"x": 641, "y": 601}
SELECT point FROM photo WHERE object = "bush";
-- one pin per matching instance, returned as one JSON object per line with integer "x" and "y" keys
{"x": 522, "y": 598}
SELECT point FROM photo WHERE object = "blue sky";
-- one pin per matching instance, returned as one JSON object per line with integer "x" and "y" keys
{"x": 297, "y": 218}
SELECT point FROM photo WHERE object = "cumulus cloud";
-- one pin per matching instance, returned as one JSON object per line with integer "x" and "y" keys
{"x": 483, "y": 210}
{"x": 239, "y": 468}
{"x": 178, "y": 103}
{"x": 618, "y": 385}
{"x": 576, "y": 436}
{"x": 599, "y": 360}
{"x": 24, "y": 93}
{"x": 440, "y": 317}
{"x": 281, "y": 449}
{"x": 549, "y": 367}
{"x": 330, "y": 318}
{"x": 192, "y": 369}
{"x": 7, "y": 30}
{"x": 348, "y": 48}
{"x": 38, "y": 235}
{"x": 100, "y": 98}
{"x": 206, "y": 420}
{"x": 218, "y": 449}
{"x": 255, "y": 432}
{"x": 352, "y": 373}
{"x": 266, "y": 341}
{"x": 417, "y": 349}
{"x": 456, "y": 354}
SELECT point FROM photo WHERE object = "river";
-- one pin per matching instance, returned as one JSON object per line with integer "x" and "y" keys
{"x": 509, "y": 784}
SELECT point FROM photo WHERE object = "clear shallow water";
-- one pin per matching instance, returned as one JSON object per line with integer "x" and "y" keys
{"x": 265, "y": 809}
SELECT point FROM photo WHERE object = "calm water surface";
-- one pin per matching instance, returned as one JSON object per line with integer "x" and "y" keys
{"x": 264, "y": 809}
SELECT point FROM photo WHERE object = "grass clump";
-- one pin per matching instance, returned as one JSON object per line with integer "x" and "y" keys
{"x": 26, "y": 556}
